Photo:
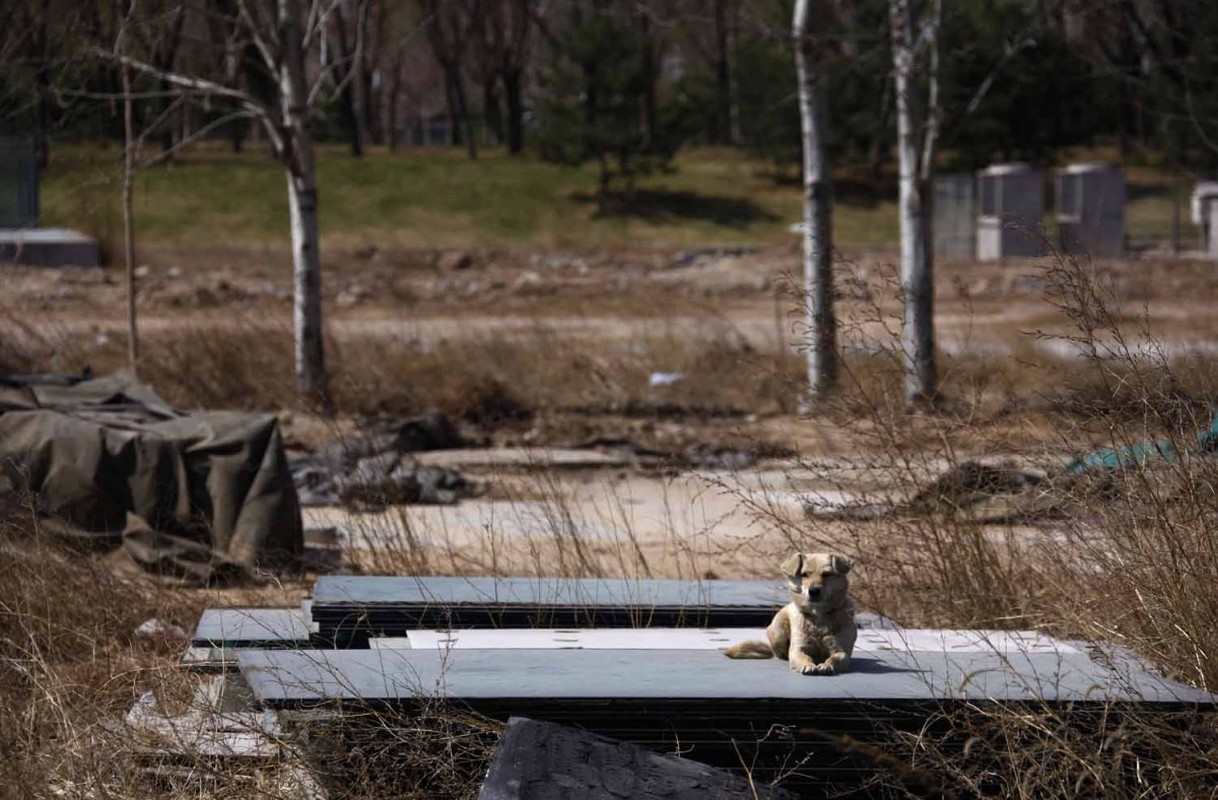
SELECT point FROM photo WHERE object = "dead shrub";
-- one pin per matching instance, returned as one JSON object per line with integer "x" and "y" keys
{"x": 70, "y": 664}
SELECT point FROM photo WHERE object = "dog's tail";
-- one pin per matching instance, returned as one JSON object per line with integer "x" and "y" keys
{"x": 749, "y": 650}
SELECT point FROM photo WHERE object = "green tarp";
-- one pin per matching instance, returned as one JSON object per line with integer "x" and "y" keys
{"x": 1143, "y": 453}
{"x": 108, "y": 463}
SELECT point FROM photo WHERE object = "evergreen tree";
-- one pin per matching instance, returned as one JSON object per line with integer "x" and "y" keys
{"x": 594, "y": 102}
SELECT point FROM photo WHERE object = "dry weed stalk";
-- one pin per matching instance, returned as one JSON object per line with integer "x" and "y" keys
{"x": 1128, "y": 555}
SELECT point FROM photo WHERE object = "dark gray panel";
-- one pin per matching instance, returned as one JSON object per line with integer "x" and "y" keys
{"x": 252, "y": 627}
{"x": 364, "y": 590}
{"x": 536, "y": 760}
{"x": 294, "y": 677}
{"x": 18, "y": 183}
{"x": 348, "y": 610}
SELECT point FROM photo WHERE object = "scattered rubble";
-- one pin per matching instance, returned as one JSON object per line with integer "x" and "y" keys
{"x": 377, "y": 470}
{"x": 455, "y": 261}
{"x": 158, "y": 630}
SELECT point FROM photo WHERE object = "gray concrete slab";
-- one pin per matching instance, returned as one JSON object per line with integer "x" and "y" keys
{"x": 520, "y": 458}
{"x": 48, "y": 247}
{"x": 258, "y": 627}
{"x": 338, "y": 590}
{"x": 287, "y": 678}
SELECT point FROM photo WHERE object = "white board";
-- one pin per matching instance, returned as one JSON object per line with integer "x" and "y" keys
{"x": 897, "y": 640}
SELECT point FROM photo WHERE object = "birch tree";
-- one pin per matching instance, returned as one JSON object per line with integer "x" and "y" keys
{"x": 279, "y": 32}
{"x": 915, "y": 58}
{"x": 817, "y": 227}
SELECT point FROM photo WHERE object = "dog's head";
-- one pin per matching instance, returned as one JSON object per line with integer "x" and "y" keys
{"x": 817, "y": 580}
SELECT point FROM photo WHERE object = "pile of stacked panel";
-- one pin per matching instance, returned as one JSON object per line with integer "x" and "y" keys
{"x": 349, "y": 610}
{"x": 611, "y": 657}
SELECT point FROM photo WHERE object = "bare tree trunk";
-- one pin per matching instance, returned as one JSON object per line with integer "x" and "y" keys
{"x": 917, "y": 268}
{"x": 648, "y": 67}
{"x": 471, "y": 147}
{"x": 391, "y": 104}
{"x": 302, "y": 199}
{"x": 515, "y": 111}
{"x": 818, "y": 226}
{"x": 133, "y": 343}
{"x": 492, "y": 112}
{"x": 351, "y": 93}
{"x": 42, "y": 79}
{"x": 723, "y": 80}
{"x": 362, "y": 77}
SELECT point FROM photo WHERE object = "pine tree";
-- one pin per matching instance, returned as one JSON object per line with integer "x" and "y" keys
{"x": 594, "y": 103}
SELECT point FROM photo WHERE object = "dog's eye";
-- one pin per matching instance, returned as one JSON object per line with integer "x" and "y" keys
{"x": 826, "y": 573}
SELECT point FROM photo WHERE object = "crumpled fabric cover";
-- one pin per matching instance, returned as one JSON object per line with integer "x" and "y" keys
{"x": 110, "y": 464}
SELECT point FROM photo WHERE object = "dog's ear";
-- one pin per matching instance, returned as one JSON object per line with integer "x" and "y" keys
{"x": 793, "y": 566}
{"x": 840, "y": 564}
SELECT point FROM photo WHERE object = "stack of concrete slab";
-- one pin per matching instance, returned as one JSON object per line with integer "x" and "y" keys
{"x": 581, "y": 652}
{"x": 222, "y": 630}
{"x": 722, "y": 712}
{"x": 348, "y": 610}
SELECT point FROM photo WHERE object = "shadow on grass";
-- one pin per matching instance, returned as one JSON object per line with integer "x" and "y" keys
{"x": 1137, "y": 190}
{"x": 658, "y": 205}
{"x": 852, "y": 186}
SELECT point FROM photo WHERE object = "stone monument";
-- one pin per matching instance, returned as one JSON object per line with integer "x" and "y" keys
{"x": 1091, "y": 209}
{"x": 21, "y": 240}
{"x": 1012, "y": 204}
{"x": 955, "y": 215}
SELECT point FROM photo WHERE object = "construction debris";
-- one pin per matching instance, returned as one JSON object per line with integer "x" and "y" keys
{"x": 536, "y": 760}
{"x": 378, "y": 470}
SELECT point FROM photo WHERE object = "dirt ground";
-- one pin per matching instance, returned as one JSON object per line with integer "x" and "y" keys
{"x": 615, "y": 518}
{"x": 433, "y": 295}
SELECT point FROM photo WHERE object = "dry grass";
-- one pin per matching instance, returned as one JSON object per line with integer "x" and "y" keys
{"x": 1133, "y": 563}
{"x": 70, "y": 663}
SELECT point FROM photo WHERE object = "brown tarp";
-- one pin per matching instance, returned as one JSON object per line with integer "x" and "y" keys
{"x": 110, "y": 463}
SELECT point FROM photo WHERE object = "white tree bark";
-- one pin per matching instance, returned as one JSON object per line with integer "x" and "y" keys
{"x": 302, "y": 199}
{"x": 280, "y": 32}
{"x": 821, "y": 321}
{"x": 915, "y": 146}
{"x": 129, "y": 156}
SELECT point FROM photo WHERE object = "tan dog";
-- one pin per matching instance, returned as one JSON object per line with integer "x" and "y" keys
{"x": 816, "y": 630}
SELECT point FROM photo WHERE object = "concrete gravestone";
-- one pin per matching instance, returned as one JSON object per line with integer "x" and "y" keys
{"x": 21, "y": 241}
{"x": 1091, "y": 209}
{"x": 1012, "y": 203}
{"x": 1203, "y": 210}
{"x": 18, "y": 183}
{"x": 955, "y": 212}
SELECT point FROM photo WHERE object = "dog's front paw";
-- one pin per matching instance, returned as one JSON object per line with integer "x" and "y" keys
{"x": 824, "y": 669}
